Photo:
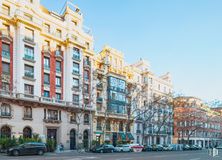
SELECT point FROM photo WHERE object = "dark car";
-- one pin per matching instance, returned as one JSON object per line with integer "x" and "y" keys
{"x": 158, "y": 147}
{"x": 28, "y": 149}
{"x": 186, "y": 147}
{"x": 147, "y": 148}
{"x": 105, "y": 148}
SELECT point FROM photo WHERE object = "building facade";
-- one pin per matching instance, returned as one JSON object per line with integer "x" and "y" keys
{"x": 196, "y": 123}
{"x": 153, "y": 113}
{"x": 111, "y": 119}
{"x": 46, "y": 73}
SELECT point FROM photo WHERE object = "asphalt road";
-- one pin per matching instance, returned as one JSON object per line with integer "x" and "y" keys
{"x": 182, "y": 155}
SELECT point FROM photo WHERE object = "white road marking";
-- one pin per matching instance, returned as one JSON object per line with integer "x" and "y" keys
{"x": 195, "y": 159}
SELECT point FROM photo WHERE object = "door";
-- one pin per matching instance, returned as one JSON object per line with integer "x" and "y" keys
{"x": 52, "y": 134}
{"x": 86, "y": 139}
{"x": 115, "y": 138}
{"x": 72, "y": 139}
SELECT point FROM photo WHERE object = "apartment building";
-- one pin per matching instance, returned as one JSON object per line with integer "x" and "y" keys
{"x": 153, "y": 120}
{"x": 196, "y": 123}
{"x": 111, "y": 118}
{"x": 46, "y": 73}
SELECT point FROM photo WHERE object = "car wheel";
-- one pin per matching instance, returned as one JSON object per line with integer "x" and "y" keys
{"x": 40, "y": 152}
{"x": 15, "y": 153}
{"x": 101, "y": 151}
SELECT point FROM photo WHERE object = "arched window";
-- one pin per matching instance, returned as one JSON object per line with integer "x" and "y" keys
{"x": 121, "y": 126}
{"x": 86, "y": 119}
{"x": 5, "y": 110}
{"x": 5, "y": 132}
{"x": 27, "y": 132}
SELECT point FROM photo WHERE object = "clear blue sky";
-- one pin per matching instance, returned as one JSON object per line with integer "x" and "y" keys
{"x": 183, "y": 37}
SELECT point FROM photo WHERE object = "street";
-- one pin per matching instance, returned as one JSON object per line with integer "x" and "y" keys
{"x": 182, "y": 155}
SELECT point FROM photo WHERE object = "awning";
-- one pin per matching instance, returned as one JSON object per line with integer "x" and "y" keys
{"x": 130, "y": 136}
{"x": 122, "y": 136}
{"x": 98, "y": 133}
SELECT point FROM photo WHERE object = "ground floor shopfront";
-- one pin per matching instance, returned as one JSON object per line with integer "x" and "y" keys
{"x": 46, "y": 121}
{"x": 204, "y": 142}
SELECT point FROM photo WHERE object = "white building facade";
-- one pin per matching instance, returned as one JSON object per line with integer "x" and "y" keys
{"x": 46, "y": 73}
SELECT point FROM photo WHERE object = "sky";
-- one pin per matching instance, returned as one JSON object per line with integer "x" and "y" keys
{"x": 183, "y": 37}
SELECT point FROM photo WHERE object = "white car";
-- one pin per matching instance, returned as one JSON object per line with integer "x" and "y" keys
{"x": 127, "y": 148}
{"x": 119, "y": 148}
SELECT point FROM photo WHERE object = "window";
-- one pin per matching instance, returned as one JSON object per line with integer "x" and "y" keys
{"x": 5, "y": 86}
{"x": 86, "y": 75}
{"x": 108, "y": 126}
{"x": 46, "y": 78}
{"x": 75, "y": 99}
{"x": 58, "y": 96}
{"x": 73, "y": 117}
{"x": 121, "y": 126}
{"x": 86, "y": 88}
{"x": 99, "y": 125}
{"x": 29, "y": 53}
{"x": 29, "y": 34}
{"x": 29, "y": 89}
{"x": 6, "y": 68}
{"x": 58, "y": 66}
{"x": 75, "y": 83}
{"x": 46, "y": 63}
{"x": 5, "y": 110}
{"x": 159, "y": 87}
{"x": 86, "y": 119}
{"x": 6, "y": 50}
{"x": 76, "y": 53}
{"x": 5, "y": 10}
{"x": 5, "y": 131}
{"x": 47, "y": 28}
{"x": 87, "y": 45}
{"x": 58, "y": 81}
{"x": 58, "y": 33}
{"x": 75, "y": 68}
{"x": 58, "y": 51}
{"x": 27, "y": 132}
{"x": 46, "y": 93}
{"x": 29, "y": 71}
{"x": 28, "y": 112}
{"x": 28, "y": 17}
{"x": 52, "y": 114}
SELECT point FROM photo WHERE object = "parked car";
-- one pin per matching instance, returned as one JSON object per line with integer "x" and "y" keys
{"x": 195, "y": 147}
{"x": 119, "y": 148}
{"x": 168, "y": 148}
{"x": 186, "y": 147}
{"x": 28, "y": 149}
{"x": 219, "y": 147}
{"x": 158, "y": 147}
{"x": 147, "y": 148}
{"x": 127, "y": 148}
{"x": 104, "y": 148}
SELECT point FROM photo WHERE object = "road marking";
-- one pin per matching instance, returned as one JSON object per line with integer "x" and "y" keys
{"x": 195, "y": 159}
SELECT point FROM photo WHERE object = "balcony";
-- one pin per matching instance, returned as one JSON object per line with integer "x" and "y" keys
{"x": 29, "y": 74}
{"x": 86, "y": 95}
{"x": 87, "y": 64}
{"x": 27, "y": 96}
{"x": 138, "y": 131}
{"x": 99, "y": 128}
{"x": 76, "y": 88}
{"x": 6, "y": 93}
{"x": 6, "y": 34}
{"x": 29, "y": 58}
{"x": 99, "y": 100}
{"x": 58, "y": 53}
{"x": 29, "y": 40}
{"x": 51, "y": 120}
{"x": 6, "y": 54}
{"x": 5, "y": 114}
{"x": 99, "y": 86}
{"x": 76, "y": 57}
{"x": 46, "y": 49}
{"x": 75, "y": 72}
